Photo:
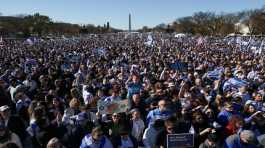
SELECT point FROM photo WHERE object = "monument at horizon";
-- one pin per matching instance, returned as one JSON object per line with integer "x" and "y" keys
{"x": 130, "y": 25}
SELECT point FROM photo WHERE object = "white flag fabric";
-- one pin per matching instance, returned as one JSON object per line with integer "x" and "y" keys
{"x": 238, "y": 40}
{"x": 234, "y": 83}
{"x": 29, "y": 41}
{"x": 199, "y": 40}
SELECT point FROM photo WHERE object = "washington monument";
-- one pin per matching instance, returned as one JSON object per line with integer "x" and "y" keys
{"x": 130, "y": 25}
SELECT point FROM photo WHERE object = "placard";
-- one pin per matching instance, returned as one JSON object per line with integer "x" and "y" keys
{"x": 185, "y": 140}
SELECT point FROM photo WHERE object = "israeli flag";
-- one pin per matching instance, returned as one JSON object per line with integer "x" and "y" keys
{"x": 216, "y": 73}
{"x": 234, "y": 84}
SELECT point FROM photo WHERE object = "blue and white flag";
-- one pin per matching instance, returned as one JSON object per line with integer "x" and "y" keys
{"x": 29, "y": 41}
{"x": 216, "y": 73}
{"x": 234, "y": 84}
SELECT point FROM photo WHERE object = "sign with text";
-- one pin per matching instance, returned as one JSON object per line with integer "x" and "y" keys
{"x": 184, "y": 140}
{"x": 115, "y": 106}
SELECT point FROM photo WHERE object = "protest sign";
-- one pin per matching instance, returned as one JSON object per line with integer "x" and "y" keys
{"x": 149, "y": 41}
{"x": 115, "y": 106}
{"x": 184, "y": 140}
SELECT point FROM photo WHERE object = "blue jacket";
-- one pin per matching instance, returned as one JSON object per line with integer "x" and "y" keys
{"x": 133, "y": 89}
{"x": 224, "y": 116}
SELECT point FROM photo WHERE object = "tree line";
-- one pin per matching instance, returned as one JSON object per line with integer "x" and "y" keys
{"x": 210, "y": 23}
{"x": 41, "y": 25}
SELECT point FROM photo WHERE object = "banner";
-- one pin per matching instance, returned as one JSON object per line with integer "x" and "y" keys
{"x": 185, "y": 140}
{"x": 115, "y": 106}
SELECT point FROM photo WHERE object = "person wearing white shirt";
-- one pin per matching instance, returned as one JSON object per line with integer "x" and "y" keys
{"x": 32, "y": 84}
{"x": 13, "y": 88}
{"x": 87, "y": 96}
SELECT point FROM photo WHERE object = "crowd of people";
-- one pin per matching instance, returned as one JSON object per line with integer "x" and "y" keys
{"x": 212, "y": 88}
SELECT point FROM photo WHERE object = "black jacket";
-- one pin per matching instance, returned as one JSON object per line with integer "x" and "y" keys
{"x": 16, "y": 125}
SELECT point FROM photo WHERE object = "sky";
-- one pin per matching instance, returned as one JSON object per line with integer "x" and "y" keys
{"x": 143, "y": 12}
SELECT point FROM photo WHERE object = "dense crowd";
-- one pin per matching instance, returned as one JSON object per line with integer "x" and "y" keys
{"x": 212, "y": 87}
